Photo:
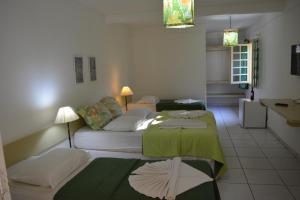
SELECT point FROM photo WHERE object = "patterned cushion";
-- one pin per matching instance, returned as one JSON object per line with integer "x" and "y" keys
{"x": 112, "y": 105}
{"x": 96, "y": 116}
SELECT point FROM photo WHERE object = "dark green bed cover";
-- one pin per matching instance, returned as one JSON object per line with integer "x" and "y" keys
{"x": 107, "y": 179}
{"x": 169, "y": 104}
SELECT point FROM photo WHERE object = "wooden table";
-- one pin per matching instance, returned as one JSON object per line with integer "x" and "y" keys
{"x": 290, "y": 113}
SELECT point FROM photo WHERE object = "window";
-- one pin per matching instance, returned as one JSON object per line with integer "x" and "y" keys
{"x": 241, "y": 62}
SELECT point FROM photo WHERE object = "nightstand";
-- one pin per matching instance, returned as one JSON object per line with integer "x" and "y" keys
{"x": 252, "y": 114}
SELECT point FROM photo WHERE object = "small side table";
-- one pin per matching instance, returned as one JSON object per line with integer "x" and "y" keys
{"x": 252, "y": 114}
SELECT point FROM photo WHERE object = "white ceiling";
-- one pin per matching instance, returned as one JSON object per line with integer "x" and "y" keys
{"x": 244, "y": 12}
{"x": 215, "y": 23}
{"x": 110, "y": 7}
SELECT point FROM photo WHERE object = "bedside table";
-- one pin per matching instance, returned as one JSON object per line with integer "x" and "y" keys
{"x": 252, "y": 114}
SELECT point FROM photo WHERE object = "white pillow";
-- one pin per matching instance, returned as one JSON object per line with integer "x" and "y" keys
{"x": 50, "y": 169}
{"x": 139, "y": 112}
{"x": 124, "y": 124}
{"x": 149, "y": 100}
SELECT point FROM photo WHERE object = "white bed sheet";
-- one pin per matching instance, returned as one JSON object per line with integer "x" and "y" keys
{"x": 130, "y": 142}
{"x": 86, "y": 138}
{"x": 21, "y": 191}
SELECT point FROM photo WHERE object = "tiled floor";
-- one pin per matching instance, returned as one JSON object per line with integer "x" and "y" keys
{"x": 260, "y": 167}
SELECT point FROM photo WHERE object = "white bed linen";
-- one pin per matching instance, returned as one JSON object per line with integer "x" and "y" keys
{"x": 21, "y": 191}
{"x": 86, "y": 138}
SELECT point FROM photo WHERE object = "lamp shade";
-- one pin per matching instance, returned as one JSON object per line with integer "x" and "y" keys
{"x": 231, "y": 37}
{"x": 65, "y": 115}
{"x": 179, "y": 13}
{"x": 126, "y": 91}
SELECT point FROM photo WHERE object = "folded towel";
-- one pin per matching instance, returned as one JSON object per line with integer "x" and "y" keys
{"x": 183, "y": 123}
{"x": 187, "y": 114}
{"x": 187, "y": 101}
{"x": 166, "y": 179}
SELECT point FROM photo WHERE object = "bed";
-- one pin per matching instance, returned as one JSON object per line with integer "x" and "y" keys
{"x": 86, "y": 138}
{"x": 196, "y": 142}
{"x": 170, "y": 104}
{"x": 155, "y": 142}
{"x": 114, "y": 184}
{"x": 112, "y": 140}
{"x": 107, "y": 179}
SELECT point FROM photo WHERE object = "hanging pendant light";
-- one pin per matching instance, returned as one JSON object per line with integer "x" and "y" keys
{"x": 179, "y": 13}
{"x": 231, "y": 36}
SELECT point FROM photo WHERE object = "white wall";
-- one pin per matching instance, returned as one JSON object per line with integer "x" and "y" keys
{"x": 277, "y": 33}
{"x": 38, "y": 41}
{"x": 169, "y": 63}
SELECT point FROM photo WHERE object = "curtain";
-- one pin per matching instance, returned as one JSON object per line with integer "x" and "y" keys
{"x": 255, "y": 62}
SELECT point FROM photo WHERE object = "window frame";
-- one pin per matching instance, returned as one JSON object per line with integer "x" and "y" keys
{"x": 248, "y": 67}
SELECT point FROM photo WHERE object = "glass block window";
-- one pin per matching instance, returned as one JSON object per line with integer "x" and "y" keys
{"x": 241, "y": 62}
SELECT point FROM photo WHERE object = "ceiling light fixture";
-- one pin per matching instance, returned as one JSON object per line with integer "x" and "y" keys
{"x": 179, "y": 13}
{"x": 230, "y": 36}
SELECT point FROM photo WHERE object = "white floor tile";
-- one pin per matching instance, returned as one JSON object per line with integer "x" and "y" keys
{"x": 249, "y": 152}
{"x": 270, "y": 144}
{"x": 285, "y": 163}
{"x": 277, "y": 153}
{"x": 223, "y": 134}
{"x": 245, "y": 143}
{"x": 271, "y": 192}
{"x": 269, "y": 177}
{"x": 255, "y": 163}
{"x": 226, "y": 142}
{"x": 295, "y": 191}
{"x": 237, "y": 129}
{"x": 264, "y": 136}
{"x": 238, "y": 136}
{"x": 235, "y": 191}
{"x": 259, "y": 131}
{"x": 229, "y": 151}
{"x": 234, "y": 176}
{"x": 233, "y": 162}
{"x": 290, "y": 177}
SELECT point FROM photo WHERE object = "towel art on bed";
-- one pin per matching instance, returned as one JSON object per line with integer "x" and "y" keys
{"x": 187, "y": 114}
{"x": 198, "y": 142}
{"x": 182, "y": 123}
{"x": 166, "y": 179}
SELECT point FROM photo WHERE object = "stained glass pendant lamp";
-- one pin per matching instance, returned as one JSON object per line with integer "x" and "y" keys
{"x": 231, "y": 36}
{"x": 179, "y": 13}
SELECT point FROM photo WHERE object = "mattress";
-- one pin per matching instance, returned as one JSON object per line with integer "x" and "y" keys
{"x": 21, "y": 191}
{"x": 111, "y": 182}
{"x": 86, "y": 138}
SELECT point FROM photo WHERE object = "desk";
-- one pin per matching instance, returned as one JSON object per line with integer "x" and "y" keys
{"x": 290, "y": 113}
{"x": 284, "y": 121}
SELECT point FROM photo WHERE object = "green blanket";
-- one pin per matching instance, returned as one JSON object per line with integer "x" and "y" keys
{"x": 107, "y": 179}
{"x": 170, "y": 104}
{"x": 200, "y": 142}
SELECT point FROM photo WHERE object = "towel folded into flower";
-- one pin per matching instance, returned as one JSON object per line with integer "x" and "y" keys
{"x": 183, "y": 123}
{"x": 166, "y": 179}
{"x": 187, "y": 101}
{"x": 187, "y": 114}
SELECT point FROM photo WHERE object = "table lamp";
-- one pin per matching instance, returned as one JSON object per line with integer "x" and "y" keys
{"x": 125, "y": 92}
{"x": 65, "y": 115}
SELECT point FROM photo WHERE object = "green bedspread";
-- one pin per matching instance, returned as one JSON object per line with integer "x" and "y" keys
{"x": 169, "y": 104}
{"x": 200, "y": 142}
{"x": 107, "y": 179}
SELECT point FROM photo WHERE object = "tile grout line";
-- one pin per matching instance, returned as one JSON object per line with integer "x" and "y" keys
{"x": 267, "y": 158}
{"x": 277, "y": 172}
{"x": 234, "y": 147}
